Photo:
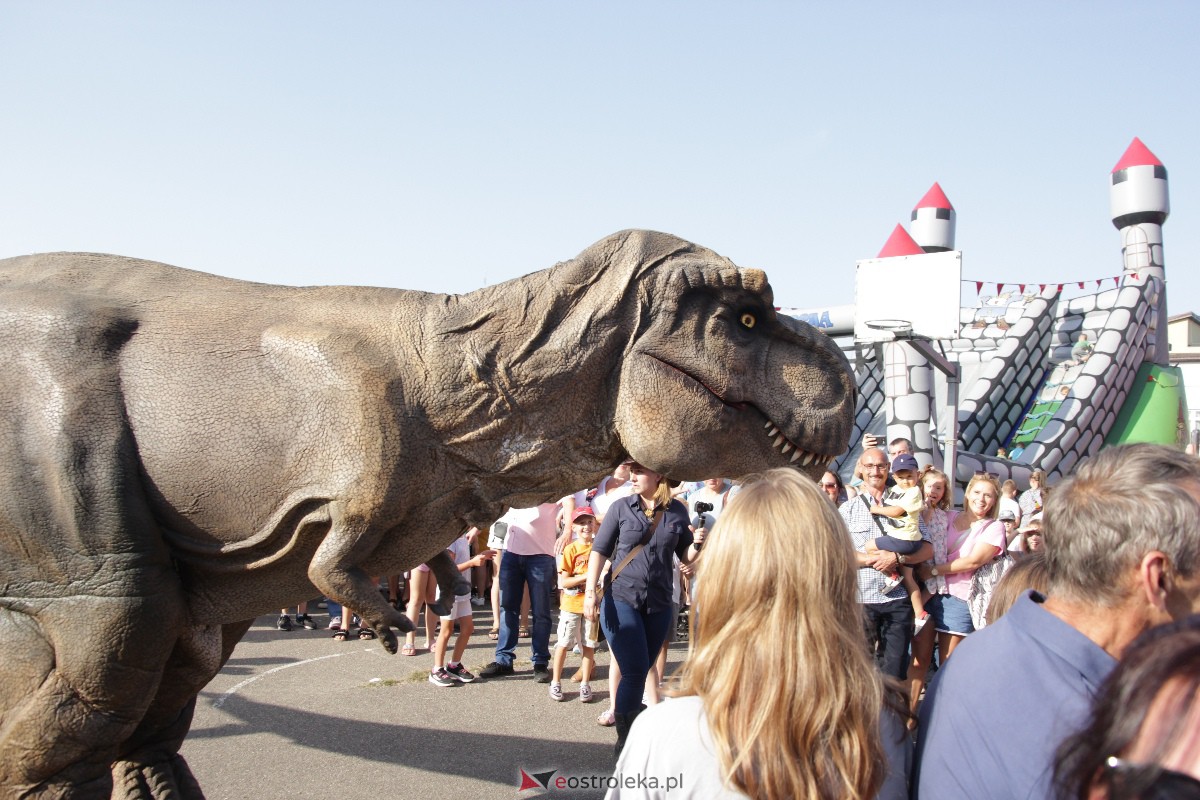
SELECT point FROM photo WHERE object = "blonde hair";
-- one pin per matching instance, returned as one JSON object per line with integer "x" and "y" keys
{"x": 935, "y": 473}
{"x": 994, "y": 511}
{"x": 813, "y": 729}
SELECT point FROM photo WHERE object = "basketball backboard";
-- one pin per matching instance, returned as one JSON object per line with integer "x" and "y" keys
{"x": 923, "y": 290}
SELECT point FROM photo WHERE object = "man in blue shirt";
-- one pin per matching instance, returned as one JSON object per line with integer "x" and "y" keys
{"x": 1123, "y": 555}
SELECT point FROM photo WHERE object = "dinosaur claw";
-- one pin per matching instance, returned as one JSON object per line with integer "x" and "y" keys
{"x": 387, "y": 639}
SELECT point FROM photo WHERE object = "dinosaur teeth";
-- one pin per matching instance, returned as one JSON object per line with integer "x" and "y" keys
{"x": 768, "y": 425}
{"x": 779, "y": 440}
{"x": 786, "y": 447}
{"x": 773, "y": 431}
{"x": 795, "y": 456}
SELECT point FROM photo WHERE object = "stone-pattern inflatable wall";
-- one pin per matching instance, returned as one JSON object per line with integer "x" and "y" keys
{"x": 1016, "y": 358}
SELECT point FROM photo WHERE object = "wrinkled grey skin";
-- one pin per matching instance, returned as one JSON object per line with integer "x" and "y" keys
{"x": 180, "y": 453}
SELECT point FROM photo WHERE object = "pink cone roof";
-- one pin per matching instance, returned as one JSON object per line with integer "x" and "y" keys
{"x": 1137, "y": 155}
{"x": 900, "y": 244}
{"x": 934, "y": 198}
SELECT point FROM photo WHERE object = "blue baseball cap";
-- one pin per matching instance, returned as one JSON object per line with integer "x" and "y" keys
{"x": 904, "y": 461}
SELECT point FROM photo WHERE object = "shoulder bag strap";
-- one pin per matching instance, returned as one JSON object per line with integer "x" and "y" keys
{"x": 658, "y": 515}
{"x": 874, "y": 517}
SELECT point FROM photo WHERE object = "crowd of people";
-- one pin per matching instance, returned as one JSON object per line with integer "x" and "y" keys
{"x": 824, "y": 617}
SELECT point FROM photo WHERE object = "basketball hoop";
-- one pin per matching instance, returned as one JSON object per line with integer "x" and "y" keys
{"x": 898, "y": 328}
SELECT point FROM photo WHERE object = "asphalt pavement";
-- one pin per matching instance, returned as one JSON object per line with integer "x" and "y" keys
{"x": 299, "y": 715}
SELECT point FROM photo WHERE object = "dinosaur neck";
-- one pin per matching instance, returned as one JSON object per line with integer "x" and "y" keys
{"x": 531, "y": 411}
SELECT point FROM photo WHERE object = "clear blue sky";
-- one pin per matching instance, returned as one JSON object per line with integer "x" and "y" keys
{"x": 441, "y": 145}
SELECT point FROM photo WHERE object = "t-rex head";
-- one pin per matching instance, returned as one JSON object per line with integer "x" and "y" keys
{"x": 710, "y": 378}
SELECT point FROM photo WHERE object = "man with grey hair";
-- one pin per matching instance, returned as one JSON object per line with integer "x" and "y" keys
{"x": 1123, "y": 554}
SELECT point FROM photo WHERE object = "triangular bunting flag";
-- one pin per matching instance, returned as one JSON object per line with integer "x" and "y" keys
{"x": 1021, "y": 286}
{"x": 978, "y": 287}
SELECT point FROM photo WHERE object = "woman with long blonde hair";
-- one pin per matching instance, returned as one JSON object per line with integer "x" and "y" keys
{"x": 973, "y": 538}
{"x": 779, "y": 697}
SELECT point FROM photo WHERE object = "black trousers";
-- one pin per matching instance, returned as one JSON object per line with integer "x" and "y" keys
{"x": 889, "y": 628}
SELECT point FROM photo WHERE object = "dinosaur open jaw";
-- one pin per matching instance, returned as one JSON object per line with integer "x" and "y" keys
{"x": 800, "y": 456}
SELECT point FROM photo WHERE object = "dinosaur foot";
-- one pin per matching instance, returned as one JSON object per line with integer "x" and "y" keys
{"x": 169, "y": 779}
{"x": 440, "y": 608}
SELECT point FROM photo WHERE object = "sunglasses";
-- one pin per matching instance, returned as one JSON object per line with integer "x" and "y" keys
{"x": 1148, "y": 782}
{"x": 828, "y": 485}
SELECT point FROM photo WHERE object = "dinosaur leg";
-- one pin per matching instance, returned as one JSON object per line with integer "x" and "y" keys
{"x": 150, "y": 767}
{"x": 83, "y": 678}
{"x": 450, "y": 580}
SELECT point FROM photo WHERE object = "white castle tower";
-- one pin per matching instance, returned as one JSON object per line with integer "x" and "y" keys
{"x": 933, "y": 221}
{"x": 1140, "y": 205}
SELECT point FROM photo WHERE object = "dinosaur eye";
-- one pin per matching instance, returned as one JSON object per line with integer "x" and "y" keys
{"x": 748, "y": 320}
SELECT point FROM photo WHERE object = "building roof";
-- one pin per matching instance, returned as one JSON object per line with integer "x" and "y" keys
{"x": 900, "y": 243}
{"x": 934, "y": 198}
{"x": 1137, "y": 155}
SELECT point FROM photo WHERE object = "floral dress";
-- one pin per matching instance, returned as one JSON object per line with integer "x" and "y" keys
{"x": 938, "y": 528}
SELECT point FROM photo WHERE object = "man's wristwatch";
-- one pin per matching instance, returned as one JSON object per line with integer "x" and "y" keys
{"x": 934, "y": 572}
{"x": 899, "y": 558}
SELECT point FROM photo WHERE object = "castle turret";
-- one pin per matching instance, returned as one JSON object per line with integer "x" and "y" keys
{"x": 933, "y": 221}
{"x": 900, "y": 244}
{"x": 1140, "y": 205}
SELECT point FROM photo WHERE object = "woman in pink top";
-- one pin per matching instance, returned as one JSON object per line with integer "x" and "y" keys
{"x": 973, "y": 539}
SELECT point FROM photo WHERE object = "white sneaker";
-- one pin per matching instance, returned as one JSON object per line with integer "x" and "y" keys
{"x": 556, "y": 692}
{"x": 890, "y": 583}
{"x": 585, "y": 693}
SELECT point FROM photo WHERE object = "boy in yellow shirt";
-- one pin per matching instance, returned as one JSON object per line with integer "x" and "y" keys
{"x": 572, "y": 575}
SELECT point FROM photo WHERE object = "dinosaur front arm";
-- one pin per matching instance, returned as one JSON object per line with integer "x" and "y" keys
{"x": 334, "y": 570}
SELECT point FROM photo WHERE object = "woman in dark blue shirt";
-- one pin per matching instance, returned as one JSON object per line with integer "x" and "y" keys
{"x": 636, "y": 608}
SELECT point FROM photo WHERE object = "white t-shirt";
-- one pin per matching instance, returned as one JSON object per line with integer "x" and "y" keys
{"x": 531, "y": 531}
{"x": 671, "y": 741}
{"x": 612, "y": 491}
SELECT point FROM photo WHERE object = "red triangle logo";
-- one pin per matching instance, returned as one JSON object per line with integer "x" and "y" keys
{"x": 527, "y": 782}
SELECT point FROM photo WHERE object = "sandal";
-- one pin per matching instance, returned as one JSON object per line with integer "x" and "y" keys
{"x": 408, "y": 650}
{"x": 366, "y": 633}
{"x": 341, "y": 635}
{"x": 494, "y": 634}
{"x": 606, "y": 718}
{"x": 523, "y": 633}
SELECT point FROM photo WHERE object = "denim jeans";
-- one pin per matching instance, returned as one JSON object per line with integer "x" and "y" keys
{"x": 634, "y": 637}
{"x": 889, "y": 628}
{"x": 539, "y": 573}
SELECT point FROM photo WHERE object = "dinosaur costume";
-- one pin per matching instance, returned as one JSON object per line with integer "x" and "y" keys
{"x": 181, "y": 452}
